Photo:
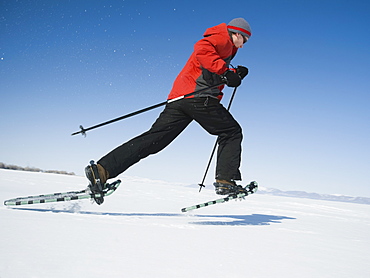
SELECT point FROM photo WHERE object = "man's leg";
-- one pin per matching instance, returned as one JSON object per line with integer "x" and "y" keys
{"x": 171, "y": 122}
{"x": 215, "y": 118}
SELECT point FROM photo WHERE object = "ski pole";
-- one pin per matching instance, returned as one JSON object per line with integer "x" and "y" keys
{"x": 215, "y": 145}
{"x": 83, "y": 130}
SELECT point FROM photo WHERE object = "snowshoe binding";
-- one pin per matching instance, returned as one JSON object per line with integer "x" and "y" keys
{"x": 97, "y": 183}
{"x": 223, "y": 187}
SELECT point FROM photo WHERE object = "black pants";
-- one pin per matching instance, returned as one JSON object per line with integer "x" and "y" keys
{"x": 176, "y": 116}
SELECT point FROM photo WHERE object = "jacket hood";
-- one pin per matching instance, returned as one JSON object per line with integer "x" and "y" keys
{"x": 220, "y": 29}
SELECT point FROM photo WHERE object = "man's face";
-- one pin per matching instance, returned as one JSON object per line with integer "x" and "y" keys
{"x": 239, "y": 40}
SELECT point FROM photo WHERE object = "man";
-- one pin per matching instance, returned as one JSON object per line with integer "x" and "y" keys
{"x": 207, "y": 70}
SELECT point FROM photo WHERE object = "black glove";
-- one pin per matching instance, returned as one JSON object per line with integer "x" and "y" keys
{"x": 242, "y": 71}
{"x": 231, "y": 78}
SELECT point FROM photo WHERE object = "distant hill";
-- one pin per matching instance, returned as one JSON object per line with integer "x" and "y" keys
{"x": 316, "y": 196}
{"x": 32, "y": 169}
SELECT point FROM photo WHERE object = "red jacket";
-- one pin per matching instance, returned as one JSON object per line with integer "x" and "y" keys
{"x": 211, "y": 57}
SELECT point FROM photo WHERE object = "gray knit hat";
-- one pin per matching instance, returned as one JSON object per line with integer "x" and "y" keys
{"x": 241, "y": 26}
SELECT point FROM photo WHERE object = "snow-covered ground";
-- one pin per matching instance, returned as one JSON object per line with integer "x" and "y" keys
{"x": 140, "y": 232}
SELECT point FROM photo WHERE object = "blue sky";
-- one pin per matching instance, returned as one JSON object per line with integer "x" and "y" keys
{"x": 304, "y": 107}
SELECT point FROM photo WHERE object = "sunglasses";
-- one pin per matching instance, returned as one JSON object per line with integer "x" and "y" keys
{"x": 245, "y": 39}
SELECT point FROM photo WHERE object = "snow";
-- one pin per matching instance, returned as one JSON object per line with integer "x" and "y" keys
{"x": 140, "y": 232}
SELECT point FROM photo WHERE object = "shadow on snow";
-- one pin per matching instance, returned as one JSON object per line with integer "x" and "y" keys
{"x": 241, "y": 220}
{"x": 211, "y": 220}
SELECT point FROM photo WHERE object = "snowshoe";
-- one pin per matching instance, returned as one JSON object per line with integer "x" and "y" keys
{"x": 252, "y": 187}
